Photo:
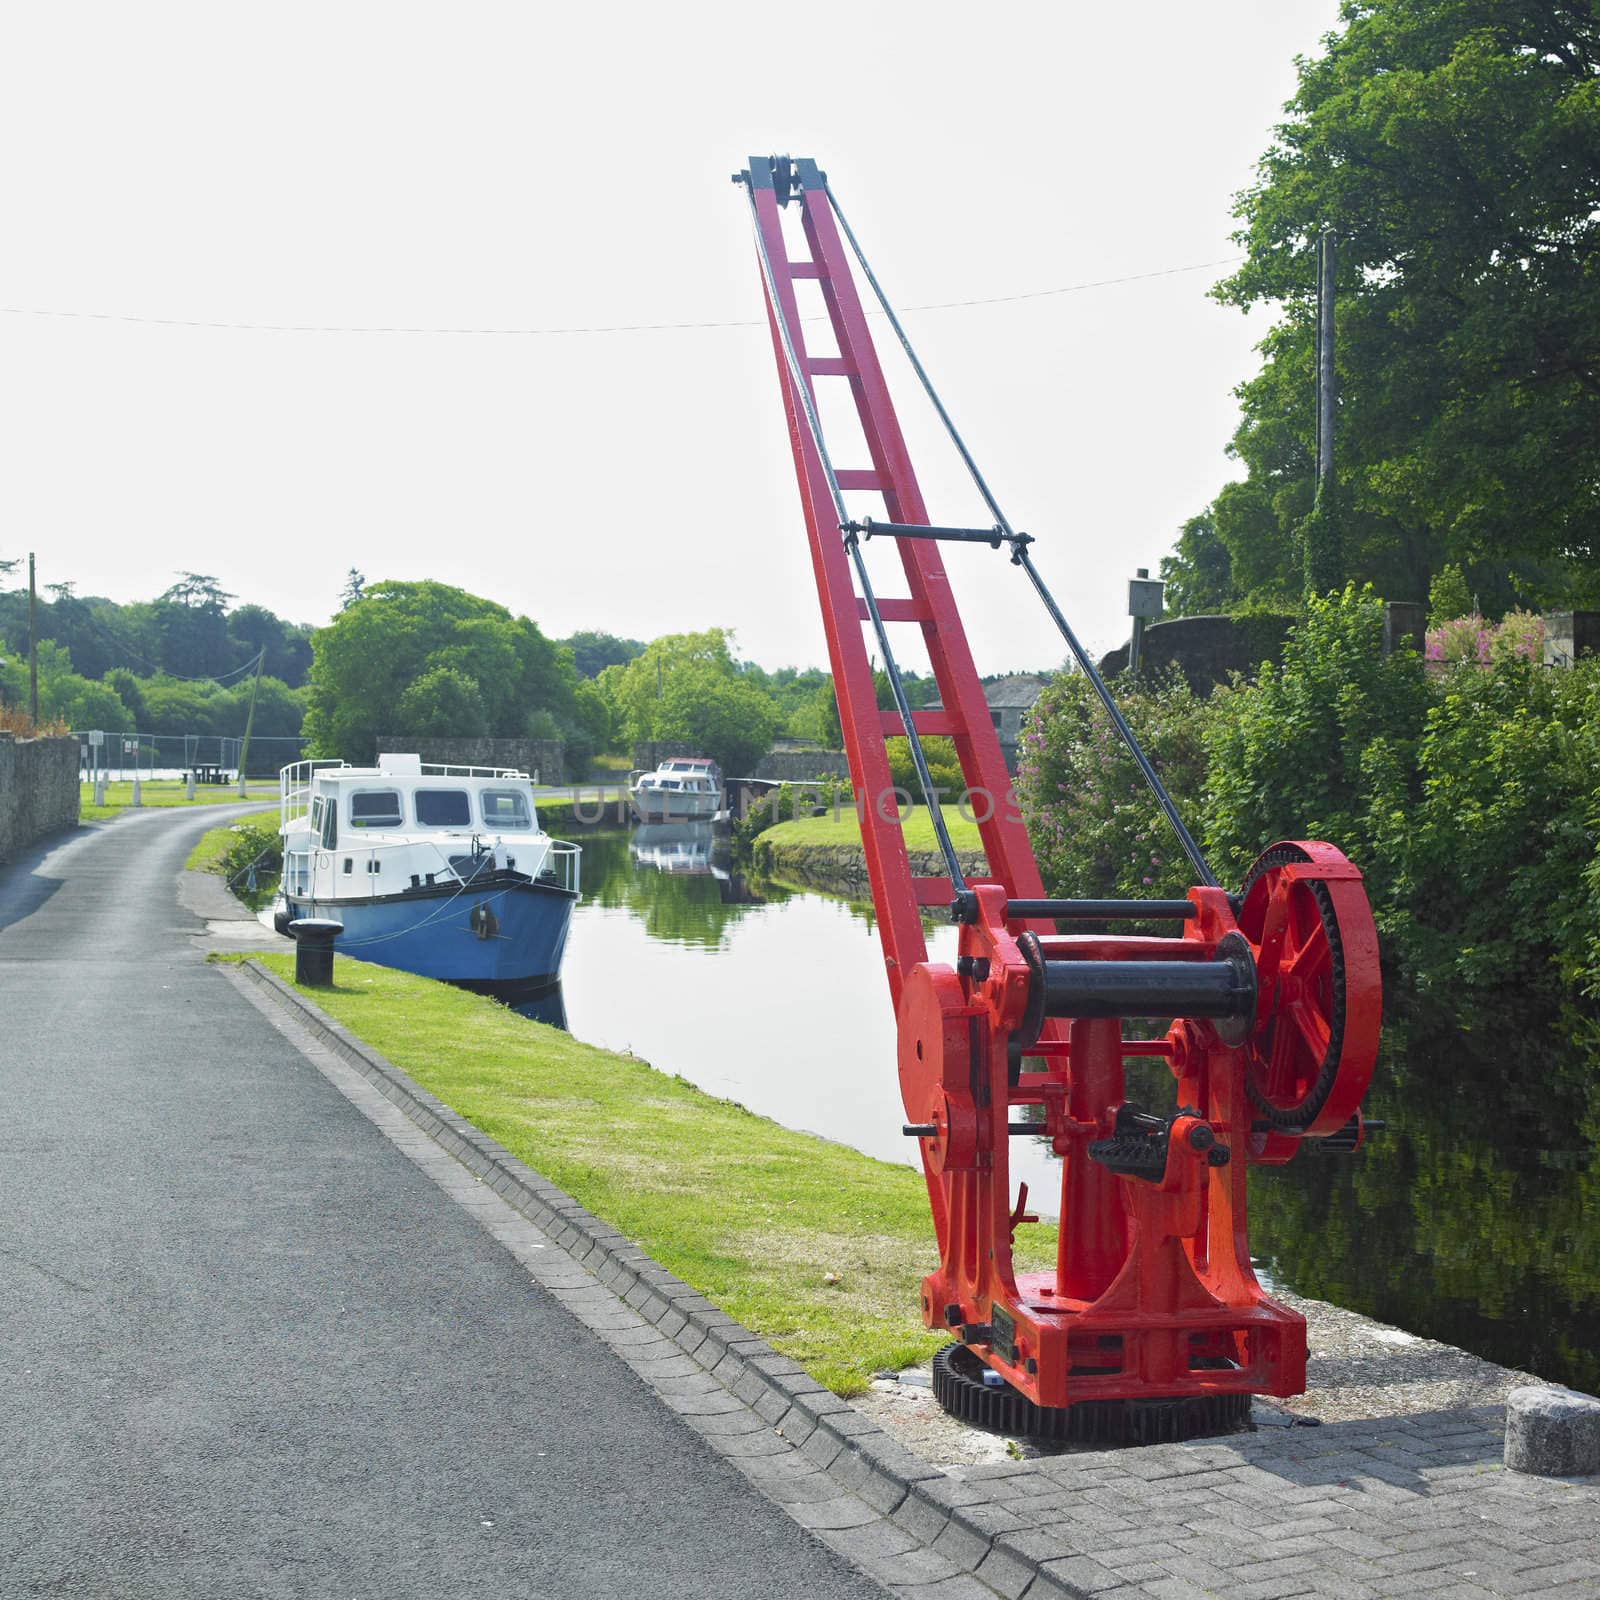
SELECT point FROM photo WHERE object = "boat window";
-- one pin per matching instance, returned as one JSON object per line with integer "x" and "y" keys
{"x": 375, "y": 808}
{"x": 443, "y": 808}
{"x": 330, "y": 824}
{"x": 505, "y": 808}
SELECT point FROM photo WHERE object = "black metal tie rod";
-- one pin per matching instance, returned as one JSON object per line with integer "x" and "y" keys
{"x": 871, "y": 528}
{"x": 1100, "y": 910}
{"x": 1019, "y": 555}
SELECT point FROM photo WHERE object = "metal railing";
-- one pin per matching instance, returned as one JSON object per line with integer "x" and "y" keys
{"x": 345, "y": 866}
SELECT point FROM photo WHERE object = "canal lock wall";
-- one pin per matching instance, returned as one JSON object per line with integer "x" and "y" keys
{"x": 38, "y": 790}
{"x": 842, "y": 869}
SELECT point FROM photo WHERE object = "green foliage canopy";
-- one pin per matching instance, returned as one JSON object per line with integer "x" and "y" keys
{"x": 407, "y": 657}
{"x": 688, "y": 687}
{"x": 1454, "y": 147}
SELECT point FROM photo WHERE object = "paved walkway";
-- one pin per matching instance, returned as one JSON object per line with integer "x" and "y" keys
{"x": 257, "y": 1349}
{"x": 252, "y": 1350}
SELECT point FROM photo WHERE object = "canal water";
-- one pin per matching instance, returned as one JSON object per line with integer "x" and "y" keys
{"x": 1473, "y": 1218}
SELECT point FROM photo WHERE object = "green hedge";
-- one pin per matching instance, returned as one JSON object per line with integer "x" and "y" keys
{"x": 1469, "y": 796}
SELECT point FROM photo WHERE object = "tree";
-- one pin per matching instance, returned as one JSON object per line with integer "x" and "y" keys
{"x": 1199, "y": 574}
{"x": 191, "y": 627}
{"x": 442, "y": 703}
{"x": 355, "y": 585}
{"x": 130, "y": 692}
{"x": 198, "y": 590}
{"x": 1454, "y": 147}
{"x": 81, "y": 703}
{"x": 688, "y": 687}
{"x": 376, "y": 649}
{"x": 592, "y": 653}
{"x": 253, "y": 629}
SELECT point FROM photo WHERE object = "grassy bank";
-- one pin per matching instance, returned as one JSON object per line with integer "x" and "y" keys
{"x": 833, "y": 830}
{"x": 816, "y": 1247}
{"x": 207, "y": 855}
{"x": 825, "y": 852}
{"x": 163, "y": 792}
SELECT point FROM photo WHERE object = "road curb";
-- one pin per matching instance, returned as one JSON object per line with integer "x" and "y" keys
{"x": 851, "y": 1450}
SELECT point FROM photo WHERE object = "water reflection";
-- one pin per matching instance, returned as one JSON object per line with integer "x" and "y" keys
{"x": 769, "y": 995}
{"x": 674, "y": 877}
{"x": 548, "y": 1006}
{"x": 1475, "y": 1218}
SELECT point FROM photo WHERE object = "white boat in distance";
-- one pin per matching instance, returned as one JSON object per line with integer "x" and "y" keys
{"x": 684, "y": 787}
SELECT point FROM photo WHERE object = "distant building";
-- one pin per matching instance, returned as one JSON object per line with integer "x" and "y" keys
{"x": 1010, "y": 700}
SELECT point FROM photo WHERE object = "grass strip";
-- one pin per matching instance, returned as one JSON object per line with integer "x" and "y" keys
{"x": 814, "y": 1246}
{"x": 843, "y": 828}
{"x": 207, "y": 855}
{"x": 158, "y": 792}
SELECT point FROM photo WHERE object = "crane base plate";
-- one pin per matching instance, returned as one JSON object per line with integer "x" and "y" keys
{"x": 958, "y": 1386}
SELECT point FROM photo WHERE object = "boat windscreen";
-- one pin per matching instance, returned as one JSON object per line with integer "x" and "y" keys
{"x": 375, "y": 808}
{"x": 505, "y": 809}
{"x": 443, "y": 808}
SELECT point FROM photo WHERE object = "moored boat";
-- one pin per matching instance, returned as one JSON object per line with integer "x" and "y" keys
{"x": 680, "y": 789}
{"x": 439, "y": 870}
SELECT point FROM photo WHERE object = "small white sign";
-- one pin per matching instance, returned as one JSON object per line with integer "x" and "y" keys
{"x": 96, "y": 739}
{"x": 1144, "y": 598}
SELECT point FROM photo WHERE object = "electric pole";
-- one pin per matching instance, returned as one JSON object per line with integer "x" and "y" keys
{"x": 250, "y": 722}
{"x": 1324, "y": 545}
{"x": 33, "y": 651}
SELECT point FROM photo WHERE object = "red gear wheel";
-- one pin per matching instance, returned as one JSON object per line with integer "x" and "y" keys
{"x": 1315, "y": 1039}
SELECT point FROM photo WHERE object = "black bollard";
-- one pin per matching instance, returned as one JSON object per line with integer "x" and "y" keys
{"x": 313, "y": 950}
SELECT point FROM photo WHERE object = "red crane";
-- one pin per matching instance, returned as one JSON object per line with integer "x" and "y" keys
{"x": 1152, "y": 1324}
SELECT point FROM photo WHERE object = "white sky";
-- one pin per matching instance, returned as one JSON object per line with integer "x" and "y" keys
{"x": 523, "y": 166}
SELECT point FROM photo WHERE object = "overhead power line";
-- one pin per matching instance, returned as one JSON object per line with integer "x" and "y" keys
{"x": 619, "y": 327}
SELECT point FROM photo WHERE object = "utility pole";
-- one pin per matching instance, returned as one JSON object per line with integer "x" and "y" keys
{"x": 1326, "y": 379}
{"x": 1324, "y": 552}
{"x": 249, "y": 723}
{"x": 33, "y": 651}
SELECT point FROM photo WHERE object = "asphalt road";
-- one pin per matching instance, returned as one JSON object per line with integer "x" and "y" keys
{"x": 250, "y": 1350}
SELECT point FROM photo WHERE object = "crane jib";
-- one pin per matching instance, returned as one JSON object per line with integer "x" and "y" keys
{"x": 1272, "y": 995}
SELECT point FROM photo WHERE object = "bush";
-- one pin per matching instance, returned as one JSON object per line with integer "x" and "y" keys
{"x": 1097, "y": 830}
{"x": 784, "y": 804}
{"x": 944, "y": 767}
{"x": 258, "y": 846}
{"x": 1467, "y": 795}
{"x": 1497, "y": 848}
{"x": 1313, "y": 749}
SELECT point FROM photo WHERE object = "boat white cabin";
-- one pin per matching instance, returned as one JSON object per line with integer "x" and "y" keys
{"x": 422, "y": 862}
{"x": 682, "y": 788}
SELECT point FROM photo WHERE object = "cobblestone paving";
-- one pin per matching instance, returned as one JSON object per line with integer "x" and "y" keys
{"x": 1419, "y": 1504}
{"x": 1413, "y": 1505}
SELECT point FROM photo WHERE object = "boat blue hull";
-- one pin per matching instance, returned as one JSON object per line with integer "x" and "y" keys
{"x": 444, "y": 934}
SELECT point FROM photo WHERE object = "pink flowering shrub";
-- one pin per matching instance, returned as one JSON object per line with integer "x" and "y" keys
{"x": 1471, "y": 639}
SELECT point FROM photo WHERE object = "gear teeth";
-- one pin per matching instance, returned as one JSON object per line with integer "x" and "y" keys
{"x": 958, "y": 1386}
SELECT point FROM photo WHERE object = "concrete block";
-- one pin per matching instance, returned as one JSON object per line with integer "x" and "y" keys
{"x": 1552, "y": 1432}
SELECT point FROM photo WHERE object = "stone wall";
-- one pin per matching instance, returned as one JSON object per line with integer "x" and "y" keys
{"x": 1207, "y": 649}
{"x": 541, "y": 756}
{"x": 648, "y": 754}
{"x": 38, "y": 790}
{"x": 1570, "y": 634}
{"x": 802, "y": 766}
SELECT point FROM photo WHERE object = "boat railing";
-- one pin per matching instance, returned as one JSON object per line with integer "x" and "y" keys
{"x": 441, "y": 769}
{"x": 294, "y": 787}
{"x": 563, "y": 863}
{"x": 349, "y": 864}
